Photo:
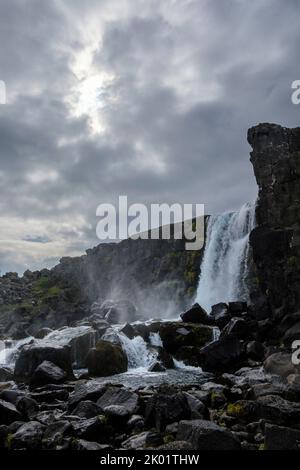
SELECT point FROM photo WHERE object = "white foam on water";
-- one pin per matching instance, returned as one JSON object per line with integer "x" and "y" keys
{"x": 138, "y": 354}
{"x": 181, "y": 365}
{"x": 155, "y": 340}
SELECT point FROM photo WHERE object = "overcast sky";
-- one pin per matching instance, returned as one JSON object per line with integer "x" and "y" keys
{"x": 148, "y": 98}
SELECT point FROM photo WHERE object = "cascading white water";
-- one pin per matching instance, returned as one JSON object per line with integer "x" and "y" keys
{"x": 225, "y": 262}
{"x": 10, "y": 351}
{"x": 138, "y": 354}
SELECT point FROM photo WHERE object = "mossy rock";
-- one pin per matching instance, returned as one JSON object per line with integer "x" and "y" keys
{"x": 106, "y": 359}
{"x": 176, "y": 335}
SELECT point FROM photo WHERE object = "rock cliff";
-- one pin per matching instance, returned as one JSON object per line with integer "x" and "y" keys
{"x": 276, "y": 239}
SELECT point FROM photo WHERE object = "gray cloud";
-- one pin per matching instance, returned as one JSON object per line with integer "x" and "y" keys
{"x": 173, "y": 85}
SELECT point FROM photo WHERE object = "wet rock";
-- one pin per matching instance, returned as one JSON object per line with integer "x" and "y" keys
{"x": 28, "y": 436}
{"x": 281, "y": 364}
{"x": 86, "y": 409}
{"x": 129, "y": 331}
{"x": 42, "y": 333}
{"x": 80, "y": 339}
{"x": 281, "y": 438}
{"x": 220, "y": 315}
{"x": 236, "y": 327}
{"x": 47, "y": 373}
{"x": 278, "y": 410}
{"x": 196, "y": 314}
{"x": 165, "y": 358}
{"x": 175, "y": 335}
{"x": 81, "y": 444}
{"x": 27, "y": 407}
{"x": 50, "y": 396}
{"x": 135, "y": 422}
{"x": 140, "y": 441}
{"x": 120, "y": 397}
{"x": 157, "y": 367}
{"x": 93, "y": 429}
{"x": 32, "y": 355}
{"x": 106, "y": 359}
{"x": 190, "y": 355}
{"x": 11, "y": 395}
{"x": 6, "y": 374}
{"x": 291, "y": 335}
{"x": 57, "y": 430}
{"x": 197, "y": 409}
{"x": 236, "y": 308}
{"x": 206, "y": 435}
{"x": 255, "y": 350}
{"x": 221, "y": 355}
{"x": 8, "y": 413}
{"x": 90, "y": 390}
{"x": 165, "y": 407}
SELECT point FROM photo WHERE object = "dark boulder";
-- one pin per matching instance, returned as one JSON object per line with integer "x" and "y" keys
{"x": 206, "y": 435}
{"x": 129, "y": 331}
{"x": 56, "y": 431}
{"x": 255, "y": 350}
{"x": 196, "y": 314}
{"x": 165, "y": 358}
{"x": 142, "y": 440}
{"x": 166, "y": 407}
{"x": 157, "y": 366}
{"x": 42, "y": 333}
{"x": 8, "y": 413}
{"x": 291, "y": 335}
{"x": 220, "y": 315}
{"x": 47, "y": 373}
{"x": 81, "y": 444}
{"x": 221, "y": 355}
{"x": 106, "y": 359}
{"x": 278, "y": 410}
{"x": 281, "y": 438}
{"x": 236, "y": 327}
{"x": 121, "y": 397}
{"x": 190, "y": 355}
{"x": 88, "y": 391}
{"x": 86, "y": 409}
{"x": 281, "y": 364}
{"x": 32, "y": 355}
{"x": 28, "y": 407}
{"x": 175, "y": 335}
{"x": 6, "y": 374}
{"x": 29, "y": 436}
{"x": 236, "y": 308}
{"x": 93, "y": 429}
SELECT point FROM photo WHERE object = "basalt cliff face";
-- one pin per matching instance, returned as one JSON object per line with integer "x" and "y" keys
{"x": 276, "y": 239}
{"x": 157, "y": 276}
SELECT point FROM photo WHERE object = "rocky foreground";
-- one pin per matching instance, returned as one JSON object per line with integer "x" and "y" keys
{"x": 248, "y": 396}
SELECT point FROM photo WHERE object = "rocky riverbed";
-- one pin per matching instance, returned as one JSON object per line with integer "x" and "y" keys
{"x": 84, "y": 388}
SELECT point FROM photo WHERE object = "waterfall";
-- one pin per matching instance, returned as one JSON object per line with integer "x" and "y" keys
{"x": 138, "y": 354}
{"x": 10, "y": 350}
{"x": 224, "y": 266}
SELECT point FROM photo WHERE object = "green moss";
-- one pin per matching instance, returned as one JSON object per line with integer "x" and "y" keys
{"x": 237, "y": 410}
{"x": 292, "y": 261}
{"x": 168, "y": 438}
{"x": 9, "y": 441}
{"x": 261, "y": 447}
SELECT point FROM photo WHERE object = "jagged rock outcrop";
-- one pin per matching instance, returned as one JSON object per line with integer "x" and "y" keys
{"x": 275, "y": 241}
